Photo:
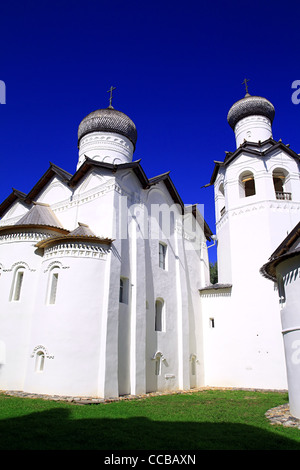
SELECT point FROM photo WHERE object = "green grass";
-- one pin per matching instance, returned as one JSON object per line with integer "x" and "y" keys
{"x": 213, "y": 419}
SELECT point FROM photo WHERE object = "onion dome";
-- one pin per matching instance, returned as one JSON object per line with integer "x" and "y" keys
{"x": 108, "y": 120}
{"x": 250, "y": 106}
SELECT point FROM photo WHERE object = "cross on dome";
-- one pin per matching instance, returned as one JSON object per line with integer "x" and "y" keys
{"x": 112, "y": 88}
{"x": 245, "y": 82}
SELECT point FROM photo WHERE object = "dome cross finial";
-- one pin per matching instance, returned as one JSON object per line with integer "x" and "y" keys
{"x": 245, "y": 82}
{"x": 110, "y": 98}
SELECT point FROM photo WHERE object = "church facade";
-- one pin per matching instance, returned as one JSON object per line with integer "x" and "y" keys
{"x": 105, "y": 287}
{"x": 100, "y": 272}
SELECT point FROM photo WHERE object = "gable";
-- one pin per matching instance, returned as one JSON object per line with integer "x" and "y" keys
{"x": 53, "y": 192}
{"x": 57, "y": 185}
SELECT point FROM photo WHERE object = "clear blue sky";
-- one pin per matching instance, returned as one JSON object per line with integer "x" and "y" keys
{"x": 178, "y": 68}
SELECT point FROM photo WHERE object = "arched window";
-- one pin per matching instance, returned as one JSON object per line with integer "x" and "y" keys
{"x": 39, "y": 361}
{"x": 159, "y": 315}
{"x": 280, "y": 177}
{"x": 158, "y": 358}
{"x": 17, "y": 284}
{"x": 193, "y": 364}
{"x": 247, "y": 184}
{"x": 158, "y": 365}
{"x": 162, "y": 255}
{"x": 221, "y": 198}
{"x": 52, "y": 285}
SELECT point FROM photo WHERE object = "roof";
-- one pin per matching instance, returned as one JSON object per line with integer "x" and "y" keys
{"x": 14, "y": 196}
{"x": 82, "y": 230}
{"x": 40, "y": 214}
{"x": 108, "y": 120}
{"x": 82, "y": 233}
{"x": 250, "y": 106}
{"x": 284, "y": 251}
{"x": 248, "y": 148}
{"x": 89, "y": 164}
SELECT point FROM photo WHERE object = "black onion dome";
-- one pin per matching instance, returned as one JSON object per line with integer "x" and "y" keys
{"x": 108, "y": 120}
{"x": 250, "y": 106}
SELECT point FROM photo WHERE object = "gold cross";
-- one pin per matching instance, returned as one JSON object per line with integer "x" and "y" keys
{"x": 110, "y": 98}
{"x": 246, "y": 84}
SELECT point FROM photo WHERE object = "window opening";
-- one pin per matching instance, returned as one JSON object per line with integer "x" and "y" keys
{"x": 248, "y": 184}
{"x": 123, "y": 292}
{"x": 17, "y": 285}
{"x": 39, "y": 361}
{"x": 52, "y": 285}
{"x": 162, "y": 255}
{"x": 159, "y": 315}
{"x": 279, "y": 180}
{"x": 53, "y": 290}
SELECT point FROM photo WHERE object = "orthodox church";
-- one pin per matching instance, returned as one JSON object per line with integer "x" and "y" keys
{"x": 104, "y": 273}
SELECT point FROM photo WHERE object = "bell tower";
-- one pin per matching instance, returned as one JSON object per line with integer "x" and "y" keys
{"x": 257, "y": 188}
{"x": 257, "y": 202}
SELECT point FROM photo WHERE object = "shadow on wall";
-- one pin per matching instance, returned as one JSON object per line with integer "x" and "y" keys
{"x": 54, "y": 430}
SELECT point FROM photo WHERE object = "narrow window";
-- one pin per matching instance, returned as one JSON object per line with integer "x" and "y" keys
{"x": 221, "y": 200}
{"x": 162, "y": 255}
{"x": 158, "y": 365}
{"x": 52, "y": 285}
{"x": 17, "y": 285}
{"x": 159, "y": 320}
{"x": 123, "y": 292}
{"x": 39, "y": 361}
{"x": 54, "y": 281}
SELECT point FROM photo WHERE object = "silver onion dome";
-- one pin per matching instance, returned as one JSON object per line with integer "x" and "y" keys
{"x": 250, "y": 106}
{"x": 108, "y": 120}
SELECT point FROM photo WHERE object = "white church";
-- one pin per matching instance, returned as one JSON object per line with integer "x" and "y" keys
{"x": 104, "y": 274}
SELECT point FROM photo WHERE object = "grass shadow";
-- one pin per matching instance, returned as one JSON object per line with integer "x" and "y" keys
{"x": 54, "y": 430}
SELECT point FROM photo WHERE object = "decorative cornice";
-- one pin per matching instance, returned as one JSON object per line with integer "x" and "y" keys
{"x": 76, "y": 250}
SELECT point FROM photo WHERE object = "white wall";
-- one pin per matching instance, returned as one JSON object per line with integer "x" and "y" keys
{"x": 288, "y": 273}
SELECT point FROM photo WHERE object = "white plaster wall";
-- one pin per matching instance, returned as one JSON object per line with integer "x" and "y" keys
{"x": 251, "y": 229}
{"x": 105, "y": 146}
{"x": 69, "y": 330}
{"x": 14, "y": 213}
{"x": 253, "y": 129}
{"x": 16, "y": 316}
{"x": 288, "y": 271}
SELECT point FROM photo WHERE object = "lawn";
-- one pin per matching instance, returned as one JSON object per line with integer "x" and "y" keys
{"x": 204, "y": 420}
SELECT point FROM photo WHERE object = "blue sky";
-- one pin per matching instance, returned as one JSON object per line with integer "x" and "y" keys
{"x": 178, "y": 67}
